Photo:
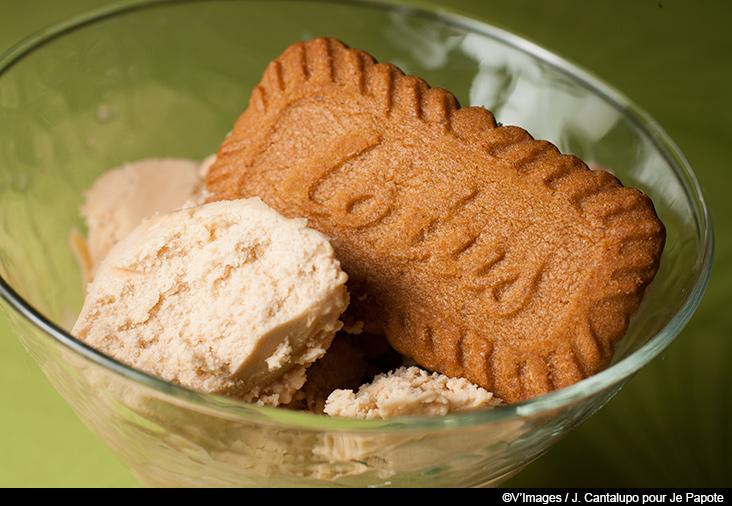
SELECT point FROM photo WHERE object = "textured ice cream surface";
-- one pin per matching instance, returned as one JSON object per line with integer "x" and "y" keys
{"x": 228, "y": 297}
{"x": 409, "y": 391}
{"x": 121, "y": 198}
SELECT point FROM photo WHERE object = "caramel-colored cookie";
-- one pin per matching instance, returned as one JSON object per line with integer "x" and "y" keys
{"x": 477, "y": 250}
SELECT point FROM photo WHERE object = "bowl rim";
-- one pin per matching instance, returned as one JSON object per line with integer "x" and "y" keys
{"x": 612, "y": 377}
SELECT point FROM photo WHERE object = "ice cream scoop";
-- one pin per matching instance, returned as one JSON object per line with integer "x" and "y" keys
{"x": 228, "y": 297}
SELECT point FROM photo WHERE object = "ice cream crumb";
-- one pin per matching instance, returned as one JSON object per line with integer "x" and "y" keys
{"x": 409, "y": 391}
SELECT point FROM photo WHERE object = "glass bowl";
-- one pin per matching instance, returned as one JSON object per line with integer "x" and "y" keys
{"x": 167, "y": 78}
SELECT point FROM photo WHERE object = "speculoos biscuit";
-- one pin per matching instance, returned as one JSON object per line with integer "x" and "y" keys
{"x": 477, "y": 250}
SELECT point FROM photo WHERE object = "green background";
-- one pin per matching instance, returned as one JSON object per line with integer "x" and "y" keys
{"x": 671, "y": 426}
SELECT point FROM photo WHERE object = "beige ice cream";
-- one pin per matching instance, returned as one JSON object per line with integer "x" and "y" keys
{"x": 409, "y": 391}
{"x": 228, "y": 297}
{"x": 121, "y": 198}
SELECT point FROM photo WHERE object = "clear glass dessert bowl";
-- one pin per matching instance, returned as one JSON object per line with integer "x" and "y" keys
{"x": 168, "y": 78}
